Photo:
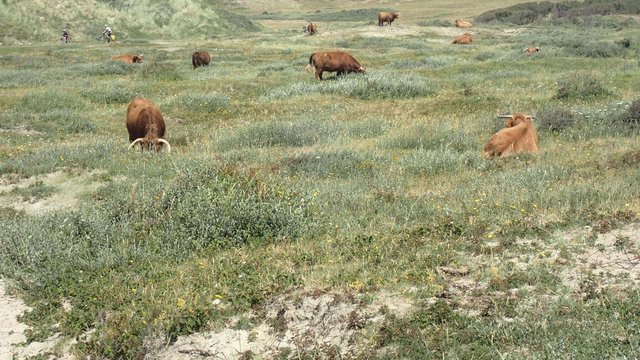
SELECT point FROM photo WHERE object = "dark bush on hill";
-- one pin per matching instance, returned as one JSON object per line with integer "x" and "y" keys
{"x": 527, "y": 13}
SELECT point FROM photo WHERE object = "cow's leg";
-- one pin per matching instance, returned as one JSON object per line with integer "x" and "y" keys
{"x": 319, "y": 74}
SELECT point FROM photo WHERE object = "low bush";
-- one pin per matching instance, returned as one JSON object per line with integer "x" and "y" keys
{"x": 632, "y": 115}
{"x": 527, "y": 13}
{"x": 278, "y": 133}
{"x": 41, "y": 101}
{"x": 209, "y": 103}
{"x": 380, "y": 85}
{"x": 554, "y": 118}
{"x": 580, "y": 86}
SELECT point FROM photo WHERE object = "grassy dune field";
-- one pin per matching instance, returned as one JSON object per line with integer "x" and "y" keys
{"x": 283, "y": 191}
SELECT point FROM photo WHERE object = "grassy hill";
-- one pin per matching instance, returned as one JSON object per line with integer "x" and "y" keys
{"x": 42, "y": 21}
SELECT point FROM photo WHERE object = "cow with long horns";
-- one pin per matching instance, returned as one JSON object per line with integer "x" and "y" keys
{"x": 463, "y": 24}
{"x": 519, "y": 135}
{"x": 531, "y": 50}
{"x": 146, "y": 125}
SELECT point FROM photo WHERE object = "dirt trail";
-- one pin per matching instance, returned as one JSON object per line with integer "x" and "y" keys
{"x": 11, "y": 331}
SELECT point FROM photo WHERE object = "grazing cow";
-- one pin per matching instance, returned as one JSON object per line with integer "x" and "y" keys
{"x": 518, "y": 135}
{"x": 200, "y": 58}
{"x": 128, "y": 58}
{"x": 387, "y": 17}
{"x": 146, "y": 125}
{"x": 463, "y": 39}
{"x": 462, "y": 23}
{"x": 531, "y": 50}
{"x": 338, "y": 61}
{"x": 310, "y": 29}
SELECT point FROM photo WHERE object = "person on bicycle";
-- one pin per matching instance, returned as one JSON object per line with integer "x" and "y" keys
{"x": 65, "y": 36}
{"x": 107, "y": 32}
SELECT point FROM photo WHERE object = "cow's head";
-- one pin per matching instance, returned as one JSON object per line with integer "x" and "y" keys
{"x": 518, "y": 118}
{"x": 137, "y": 58}
{"x": 151, "y": 144}
{"x": 395, "y": 15}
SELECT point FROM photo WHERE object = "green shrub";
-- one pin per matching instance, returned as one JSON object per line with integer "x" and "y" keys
{"x": 580, "y": 86}
{"x": 278, "y": 133}
{"x": 379, "y": 85}
{"x": 632, "y": 115}
{"x": 111, "y": 93}
{"x": 202, "y": 103}
{"x": 527, "y": 13}
{"x": 41, "y": 101}
{"x": 556, "y": 119}
{"x": 342, "y": 164}
{"x": 106, "y": 68}
{"x": 431, "y": 162}
{"x": 155, "y": 70}
{"x": 219, "y": 206}
{"x": 12, "y": 79}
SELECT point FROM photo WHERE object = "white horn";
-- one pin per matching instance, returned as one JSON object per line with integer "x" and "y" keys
{"x": 166, "y": 143}
{"x": 135, "y": 142}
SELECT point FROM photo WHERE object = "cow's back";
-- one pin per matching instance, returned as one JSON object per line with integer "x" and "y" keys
{"x": 142, "y": 115}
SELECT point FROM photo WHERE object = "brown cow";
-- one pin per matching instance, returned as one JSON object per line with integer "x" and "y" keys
{"x": 338, "y": 61}
{"x": 518, "y": 135}
{"x": 462, "y": 23}
{"x": 128, "y": 58}
{"x": 388, "y": 17}
{"x": 463, "y": 39}
{"x": 146, "y": 125}
{"x": 531, "y": 50}
{"x": 311, "y": 28}
{"x": 200, "y": 58}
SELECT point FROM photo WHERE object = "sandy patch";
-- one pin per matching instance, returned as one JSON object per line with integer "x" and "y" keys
{"x": 11, "y": 331}
{"x": 21, "y": 131}
{"x": 297, "y": 322}
{"x": 69, "y": 186}
{"x": 12, "y": 334}
{"x": 613, "y": 260}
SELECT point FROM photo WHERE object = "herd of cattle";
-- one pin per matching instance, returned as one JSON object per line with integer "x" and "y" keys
{"x": 146, "y": 126}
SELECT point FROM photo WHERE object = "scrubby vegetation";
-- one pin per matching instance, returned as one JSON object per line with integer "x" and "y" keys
{"x": 370, "y": 185}
{"x": 567, "y": 11}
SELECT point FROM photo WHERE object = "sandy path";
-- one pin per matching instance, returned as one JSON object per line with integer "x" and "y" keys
{"x": 11, "y": 331}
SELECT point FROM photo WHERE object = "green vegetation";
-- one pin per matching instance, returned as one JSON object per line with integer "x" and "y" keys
{"x": 565, "y": 11}
{"x": 367, "y": 184}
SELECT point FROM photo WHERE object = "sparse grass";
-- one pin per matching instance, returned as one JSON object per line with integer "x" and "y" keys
{"x": 363, "y": 183}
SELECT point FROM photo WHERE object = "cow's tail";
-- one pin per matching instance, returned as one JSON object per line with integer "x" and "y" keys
{"x": 311, "y": 66}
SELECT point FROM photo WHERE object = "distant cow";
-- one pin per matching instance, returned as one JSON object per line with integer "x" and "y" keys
{"x": 531, "y": 50}
{"x": 387, "y": 17}
{"x": 518, "y": 135}
{"x": 338, "y": 61}
{"x": 128, "y": 58}
{"x": 200, "y": 58}
{"x": 146, "y": 125}
{"x": 463, "y": 39}
{"x": 310, "y": 28}
{"x": 462, "y": 23}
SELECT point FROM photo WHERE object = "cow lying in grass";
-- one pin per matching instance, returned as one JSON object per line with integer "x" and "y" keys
{"x": 519, "y": 135}
{"x": 128, "y": 58}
